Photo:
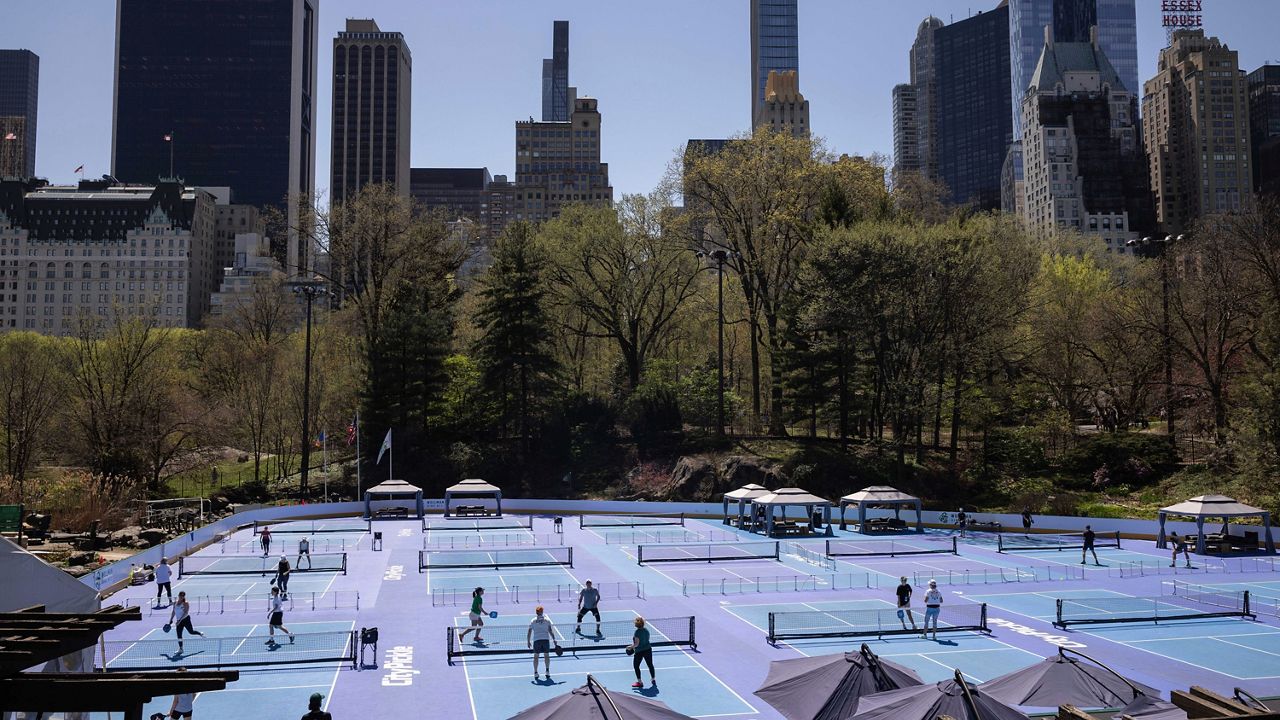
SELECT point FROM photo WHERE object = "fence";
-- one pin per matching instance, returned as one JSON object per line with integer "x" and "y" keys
{"x": 478, "y": 540}
{"x": 778, "y": 583}
{"x": 997, "y": 576}
{"x": 221, "y": 604}
{"x": 516, "y": 594}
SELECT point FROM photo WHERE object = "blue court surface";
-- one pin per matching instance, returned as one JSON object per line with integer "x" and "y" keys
{"x": 728, "y": 600}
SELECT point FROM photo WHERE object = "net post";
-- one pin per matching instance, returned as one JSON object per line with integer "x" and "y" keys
{"x": 422, "y": 560}
{"x": 352, "y": 646}
{"x": 344, "y": 563}
{"x": 955, "y": 545}
{"x": 983, "y": 621}
{"x": 1246, "y": 606}
{"x": 1118, "y": 546}
{"x": 1058, "y": 612}
{"x": 772, "y": 637}
{"x": 449, "y": 647}
{"x": 777, "y": 550}
{"x": 693, "y": 638}
{"x": 570, "y": 556}
{"x": 639, "y": 554}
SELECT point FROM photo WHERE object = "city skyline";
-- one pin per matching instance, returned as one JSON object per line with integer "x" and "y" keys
{"x": 491, "y": 53}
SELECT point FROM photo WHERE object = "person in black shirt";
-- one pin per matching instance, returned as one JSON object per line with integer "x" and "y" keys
{"x": 1026, "y": 521}
{"x": 315, "y": 713}
{"x": 1179, "y": 546}
{"x": 904, "y": 604}
{"x": 1088, "y": 546}
{"x": 960, "y": 521}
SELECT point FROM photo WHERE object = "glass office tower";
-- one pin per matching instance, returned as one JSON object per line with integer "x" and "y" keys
{"x": 775, "y": 44}
{"x": 19, "y": 95}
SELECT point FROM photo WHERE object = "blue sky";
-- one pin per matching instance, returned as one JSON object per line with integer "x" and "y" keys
{"x": 663, "y": 70}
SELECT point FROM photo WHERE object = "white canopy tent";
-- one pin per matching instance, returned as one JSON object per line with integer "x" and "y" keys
{"x": 742, "y": 496}
{"x": 883, "y": 496}
{"x": 1215, "y": 506}
{"x": 30, "y": 581}
{"x": 792, "y": 497}
{"x": 473, "y": 488}
{"x": 392, "y": 489}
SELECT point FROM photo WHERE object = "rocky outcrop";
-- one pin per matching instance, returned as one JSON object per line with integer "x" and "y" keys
{"x": 702, "y": 478}
{"x": 739, "y": 470}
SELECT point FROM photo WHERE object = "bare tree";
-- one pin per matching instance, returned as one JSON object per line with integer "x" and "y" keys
{"x": 30, "y": 386}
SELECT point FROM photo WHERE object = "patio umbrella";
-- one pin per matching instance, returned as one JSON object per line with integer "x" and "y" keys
{"x": 593, "y": 702}
{"x": 955, "y": 698}
{"x": 1148, "y": 707}
{"x": 1062, "y": 680}
{"x": 828, "y": 687}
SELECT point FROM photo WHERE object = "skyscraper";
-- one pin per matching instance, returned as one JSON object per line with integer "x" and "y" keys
{"x": 372, "y": 77}
{"x": 231, "y": 84}
{"x": 1195, "y": 123}
{"x": 973, "y": 116}
{"x": 556, "y": 104}
{"x": 1264, "y": 128}
{"x": 19, "y": 95}
{"x": 784, "y": 109}
{"x": 775, "y": 44}
{"x": 558, "y": 163}
{"x": 1084, "y": 167}
{"x": 1070, "y": 20}
{"x": 906, "y": 129}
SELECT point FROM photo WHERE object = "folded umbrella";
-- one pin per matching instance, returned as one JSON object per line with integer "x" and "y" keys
{"x": 1063, "y": 680}
{"x": 828, "y": 687}
{"x": 955, "y": 698}
{"x": 1148, "y": 707}
{"x": 593, "y": 702}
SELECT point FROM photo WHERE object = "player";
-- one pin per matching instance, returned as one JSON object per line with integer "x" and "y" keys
{"x": 313, "y": 709}
{"x": 904, "y": 604}
{"x": 476, "y": 615}
{"x": 264, "y": 537}
{"x": 304, "y": 550}
{"x": 276, "y": 619}
{"x": 181, "y": 614}
{"x": 164, "y": 576}
{"x": 1026, "y": 521}
{"x": 642, "y": 650}
{"x": 183, "y": 703}
{"x": 282, "y": 576}
{"x": 1089, "y": 538}
{"x": 960, "y": 520}
{"x": 588, "y": 602}
{"x": 1179, "y": 546}
{"x": 932, "y": 608}
{"x": 539, "y": 637}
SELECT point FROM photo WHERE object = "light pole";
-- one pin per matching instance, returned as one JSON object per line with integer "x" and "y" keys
{"x": 719, "y": 255}
{"x": 309, "y": 291}
{"x": 1162, "y": 246}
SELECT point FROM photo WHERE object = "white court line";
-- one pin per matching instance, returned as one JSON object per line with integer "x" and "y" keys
{"x": 1132, "y": 644}
{"x": 592, "y": 672}
{"x": 334, "y": 683}
{"x": 245, "y": 639}
{"x": 1246, "y": 647}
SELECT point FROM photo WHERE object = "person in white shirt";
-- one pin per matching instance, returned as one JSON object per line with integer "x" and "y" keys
{"x": 164, "y": 574}
{"x": 276, "y": 619}
{"x": 183, "y": 703}
{"x": 932, "y": 606}
{"x": 539, "y": 638}
{"x": 304, "y": 550}
{"x": 181, "y": 614}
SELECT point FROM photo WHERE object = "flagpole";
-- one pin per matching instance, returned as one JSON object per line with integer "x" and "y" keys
{"x": 391, "y": 458}
{"x": 357, "y": 456}
{"x": 324, "y": 460}
{"x": 171, "y": 142}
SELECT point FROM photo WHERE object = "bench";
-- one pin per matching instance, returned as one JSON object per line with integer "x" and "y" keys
{"x": 990, "y": 525}
{"x": 470, "y": 510}
{"x": 392, "y": 512}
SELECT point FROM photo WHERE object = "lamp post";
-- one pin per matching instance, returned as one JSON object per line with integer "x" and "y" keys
{"x": 719, "y": 255}
{"x": 309, "y": 291}
{"x": 1162, "y": 246}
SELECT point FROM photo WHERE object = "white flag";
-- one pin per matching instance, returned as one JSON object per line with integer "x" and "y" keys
{"x": 386, "y": 445}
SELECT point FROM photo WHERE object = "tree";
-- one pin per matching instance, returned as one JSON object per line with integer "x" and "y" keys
{"x": 628, "y": 271}
{"x": 514, "y": 351}
{"x": 31, "y": 383}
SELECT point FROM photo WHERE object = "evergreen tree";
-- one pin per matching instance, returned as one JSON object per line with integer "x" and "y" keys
{"x": 515, "y": 350}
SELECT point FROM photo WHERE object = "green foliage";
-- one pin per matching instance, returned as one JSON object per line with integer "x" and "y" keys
{"x": 652, "y": 411}
{"x": 1018, "y": 450}
{"x": 1134, "y": 459}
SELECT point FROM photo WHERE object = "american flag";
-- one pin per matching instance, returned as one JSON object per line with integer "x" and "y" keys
{"x": 351, "y": 433}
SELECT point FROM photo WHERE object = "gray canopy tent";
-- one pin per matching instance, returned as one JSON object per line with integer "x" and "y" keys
{"x": 1215, "y": 506}
{"x": 879, "y": 495}
{"x": 473, "y": 488}
{"x": 791, "y": 497}
{"x": 390, "y": 490}
{"x": 742, "y": 496}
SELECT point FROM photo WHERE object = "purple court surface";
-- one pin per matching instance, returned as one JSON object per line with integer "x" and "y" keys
{"x": 413, "y": 591}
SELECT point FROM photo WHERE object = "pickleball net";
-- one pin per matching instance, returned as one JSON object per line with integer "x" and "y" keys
{"x": 507, "y": 557}
{"x": 891, "y": 548}
{"x": 707, "y": 552}
{"x": 1192, "y": 604}
{"x": 258, "y": 565}
{"x": 478, "y": 524}
{"x": 872, "y": 622}
{"x": 218, "y": 652}
{"x": 310, "y": 527}
{"x": 614, "y": 635}
{"x": 1007, "y": 542}
{"x": 638, "y": 520}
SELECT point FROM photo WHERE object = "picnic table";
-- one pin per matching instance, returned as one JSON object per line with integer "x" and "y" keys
{"x": 470, "y": 511}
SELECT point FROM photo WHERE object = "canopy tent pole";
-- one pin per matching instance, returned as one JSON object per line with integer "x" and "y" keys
{"x": 843, "y": 525}
{"x": 862, "y": 517}
{"x": 1199, "y": 534}
{"x": 919, "y": 518}
{"x": 1160, "y": 541}
{"x": 826, "y": 520}
{"x": 1270, "y": 544}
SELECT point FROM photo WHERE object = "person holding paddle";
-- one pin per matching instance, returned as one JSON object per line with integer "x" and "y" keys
{"x": 181, "y": 614}
{"x": 282, "y": 576}
{"x": 476, "y": 615}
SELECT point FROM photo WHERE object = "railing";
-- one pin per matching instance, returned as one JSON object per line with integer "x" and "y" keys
{"x": 652, "y": 537}
{"x": 997, "y": 576}
{"x": 463, "y": 541}
{"x": 813, "y": 557}
{"x": 516, "y": 594}
{"x": 221, "y": 604}
{"x": 289, "y": 546}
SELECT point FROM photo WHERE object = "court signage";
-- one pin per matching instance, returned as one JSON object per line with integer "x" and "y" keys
{"x": 394, "y": 572}
{"x": 397, "y": 667}
{"x": 1052, "y": 639}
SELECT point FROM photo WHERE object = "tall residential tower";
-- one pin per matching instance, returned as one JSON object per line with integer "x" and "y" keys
{"x": 557, "y": 102}
{"x": 372, "y": 77}
{"x": 220, "y": 93}
{"x": 19, "y": 93}
{"x": 775, "y": 44}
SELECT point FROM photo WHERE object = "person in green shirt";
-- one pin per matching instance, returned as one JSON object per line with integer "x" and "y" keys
{"x": 477, "y": 615}
{"x": 642, "y": 650}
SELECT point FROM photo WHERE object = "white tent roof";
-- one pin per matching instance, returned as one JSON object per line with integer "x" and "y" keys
{"x": 1212, "y": 506}
{"x": 747, "y": 492}
{"x": 32, "y": 581}
{"x": 473, "y": 485}
{"x": 790, "y": 496}
{"x": 394, "y": 487}
{"x": 879, "y": 494}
